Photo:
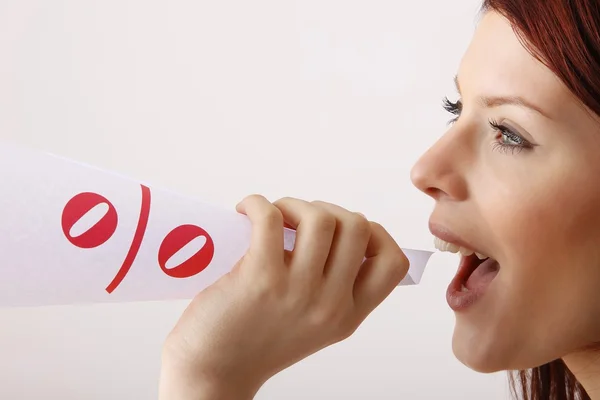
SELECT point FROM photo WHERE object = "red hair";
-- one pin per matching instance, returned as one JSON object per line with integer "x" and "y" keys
{"x": 564, "y": 36}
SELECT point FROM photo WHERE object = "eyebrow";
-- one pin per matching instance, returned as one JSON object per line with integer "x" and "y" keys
{"x": 496, "y": 101}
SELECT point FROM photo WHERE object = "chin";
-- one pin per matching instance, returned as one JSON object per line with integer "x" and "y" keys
{"x": 488, "y": 355}
{"x": 483, "y": 355}
{"x": 475, "y": 362}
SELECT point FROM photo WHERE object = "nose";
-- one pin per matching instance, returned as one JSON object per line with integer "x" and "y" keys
{"x": 440, "y": 172}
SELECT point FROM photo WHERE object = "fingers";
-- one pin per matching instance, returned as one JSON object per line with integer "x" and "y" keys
{"x": 386, "y": 265}
{"x": 331, "y": 246}
{"x": 315, "y": 229}
{"x": 348, "y": 248}
{"x": 266, "y": 242}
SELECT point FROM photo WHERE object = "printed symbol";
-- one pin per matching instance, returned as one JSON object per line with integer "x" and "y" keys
{"x": 176, "y": 241}
{"x": 89, "y": 220}
{"x": 85, "y": 204}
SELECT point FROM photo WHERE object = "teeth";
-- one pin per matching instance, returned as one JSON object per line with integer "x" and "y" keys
{"x": 465, "y": 252}
{"x": 442, "y": 245}
{"x": 453, "y": 248}
{"x": 445, "y": 246}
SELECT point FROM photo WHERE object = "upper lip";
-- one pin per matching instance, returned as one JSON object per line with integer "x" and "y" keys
{"x": 447, "y": 235}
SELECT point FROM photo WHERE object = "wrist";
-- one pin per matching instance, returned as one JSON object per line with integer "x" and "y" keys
{"x": 181, "y": 382}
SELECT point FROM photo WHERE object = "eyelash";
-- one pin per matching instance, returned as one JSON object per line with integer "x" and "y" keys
{"x": 455, "y": 108}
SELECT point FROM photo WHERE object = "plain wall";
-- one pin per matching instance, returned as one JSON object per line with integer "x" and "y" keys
{"x": 329, "y": 100}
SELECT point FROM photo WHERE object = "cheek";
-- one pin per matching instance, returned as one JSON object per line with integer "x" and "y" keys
{"x": 546, "y": 230}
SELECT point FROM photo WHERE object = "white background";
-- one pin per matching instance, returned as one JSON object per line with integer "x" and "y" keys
{"x": 330, "y": 100}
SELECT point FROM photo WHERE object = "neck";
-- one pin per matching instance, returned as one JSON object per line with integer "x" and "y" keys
{"x": 585, "y": 365}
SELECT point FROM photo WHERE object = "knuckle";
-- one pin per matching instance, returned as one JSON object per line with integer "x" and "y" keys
{"x": 272, "y": 217}
{"x": 333, "y": 314}
{"x": 323, "y": 220}
{"x": 359, "y": 225}
{"x": 254, "y": 197}
{"x": 319, "y": 203}
{"x": 400, "y": 258}
{"x": 285, "y": 199}
{"x": 347, "y": 331}
{"x": 323, "y": 317}
{"x": 344, "y": 328}
{"x": 398, "y": 265}
{"x": 377, "y": 227}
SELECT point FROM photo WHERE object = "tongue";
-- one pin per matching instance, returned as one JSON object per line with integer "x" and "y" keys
{"x": 482, "y": 275}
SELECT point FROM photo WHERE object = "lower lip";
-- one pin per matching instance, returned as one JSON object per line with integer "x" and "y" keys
{"x": 456, "y": 298}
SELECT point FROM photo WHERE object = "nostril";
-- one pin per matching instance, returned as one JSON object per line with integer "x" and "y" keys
{"x": 424, "y": 182}
{"x": 433, "y": 192}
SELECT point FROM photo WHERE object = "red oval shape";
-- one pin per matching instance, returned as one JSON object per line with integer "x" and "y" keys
{"x": 98, "y": 234}
{"x": 175, "y": 241}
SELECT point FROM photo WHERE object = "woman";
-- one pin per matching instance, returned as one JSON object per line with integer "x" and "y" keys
{"x": 515, "y": 180}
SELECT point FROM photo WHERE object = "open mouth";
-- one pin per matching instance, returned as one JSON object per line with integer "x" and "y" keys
{"x": 475, "y": 273}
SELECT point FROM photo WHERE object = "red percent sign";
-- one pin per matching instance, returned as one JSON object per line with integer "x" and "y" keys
{"x": 103, "y": 230}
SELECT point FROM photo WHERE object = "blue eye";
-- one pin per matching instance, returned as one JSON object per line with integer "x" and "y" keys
{"x": 508, "y": 139}
{"x": 511, "y": 139}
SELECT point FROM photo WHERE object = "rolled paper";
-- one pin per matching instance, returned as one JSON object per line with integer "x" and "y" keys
{"x": 73, "y": 233}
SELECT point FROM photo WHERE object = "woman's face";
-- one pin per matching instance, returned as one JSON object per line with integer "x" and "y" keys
{"x": 525, "y": 192}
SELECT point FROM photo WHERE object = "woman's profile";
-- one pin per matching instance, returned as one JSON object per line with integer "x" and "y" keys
{"x": 515, "y": 181}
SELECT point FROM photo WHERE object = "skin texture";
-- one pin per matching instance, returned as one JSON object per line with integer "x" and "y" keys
{"x": 276, "y": 307}
{"x": 534, "y": 209}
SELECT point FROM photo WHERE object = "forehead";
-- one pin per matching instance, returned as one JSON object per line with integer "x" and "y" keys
{"x": 497, "y": 64}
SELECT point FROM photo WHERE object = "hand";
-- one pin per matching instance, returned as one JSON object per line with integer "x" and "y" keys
{"x": 277, "y": 307}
